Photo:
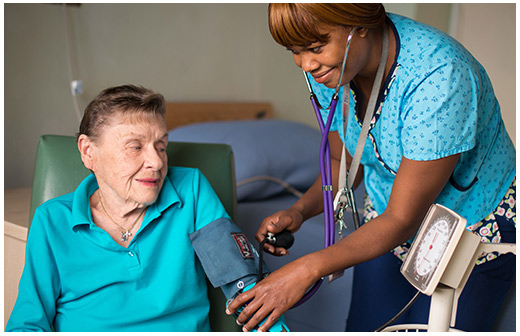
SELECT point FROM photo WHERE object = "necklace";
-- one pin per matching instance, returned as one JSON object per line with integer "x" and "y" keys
{"x": 125, "y": 233}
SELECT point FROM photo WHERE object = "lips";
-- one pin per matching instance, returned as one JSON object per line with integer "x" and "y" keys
{"x": 152, "y": 182}
{"x": 322, "y": 77}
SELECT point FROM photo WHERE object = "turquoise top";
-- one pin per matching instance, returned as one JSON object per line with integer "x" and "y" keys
{"x": 438, "y": 101}
{"x": 77, "y": 278}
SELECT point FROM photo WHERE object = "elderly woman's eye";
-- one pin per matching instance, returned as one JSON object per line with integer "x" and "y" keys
{"x": 134, "y": 147}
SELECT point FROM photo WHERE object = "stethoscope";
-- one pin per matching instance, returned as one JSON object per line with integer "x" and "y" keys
{"x": 325, "y": 161}
{"x": 334, "y": 209}
{"x": 326, "y": 177}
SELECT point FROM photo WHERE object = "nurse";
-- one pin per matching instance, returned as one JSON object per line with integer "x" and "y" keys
{"x": 436, "y": 136}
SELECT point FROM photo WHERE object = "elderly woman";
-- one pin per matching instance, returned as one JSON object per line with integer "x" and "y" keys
{"x": 120, "y": 252}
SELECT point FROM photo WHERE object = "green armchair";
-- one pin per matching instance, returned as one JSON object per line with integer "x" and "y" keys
{"x": 59, "y": 170}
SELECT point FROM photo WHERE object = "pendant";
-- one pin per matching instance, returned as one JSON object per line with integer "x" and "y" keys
{"x": 125, "y": 235}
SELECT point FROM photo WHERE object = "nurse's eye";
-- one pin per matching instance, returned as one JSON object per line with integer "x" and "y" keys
{"x": 316, "y": 50}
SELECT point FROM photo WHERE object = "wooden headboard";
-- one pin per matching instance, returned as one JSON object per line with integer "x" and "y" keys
{"x": 184, "y": 113}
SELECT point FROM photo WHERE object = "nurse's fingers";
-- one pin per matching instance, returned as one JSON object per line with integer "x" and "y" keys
{"x": 262, "y": 314}
{"x": 277, "y": 251}
{"x": 280, "y": 251}
{"x": 251, "y": 316}
{"x": 240, "y": 301}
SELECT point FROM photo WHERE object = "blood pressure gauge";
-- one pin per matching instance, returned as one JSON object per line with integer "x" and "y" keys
{"x": 433, "y": 248}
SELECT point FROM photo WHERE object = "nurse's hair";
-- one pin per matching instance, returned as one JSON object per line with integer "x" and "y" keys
{"x": 130, "y": 100}
{"x": 296, "y": 24}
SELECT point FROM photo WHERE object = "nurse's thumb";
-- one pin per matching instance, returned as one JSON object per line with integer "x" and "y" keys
{"x": 279, "y": 225}
{"x": 273, "y": 227}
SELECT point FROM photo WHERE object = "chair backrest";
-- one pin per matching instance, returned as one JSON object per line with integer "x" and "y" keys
{"x": 59, "y": 170}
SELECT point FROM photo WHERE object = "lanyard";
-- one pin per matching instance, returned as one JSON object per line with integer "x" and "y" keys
{"x": 345, "y": 195}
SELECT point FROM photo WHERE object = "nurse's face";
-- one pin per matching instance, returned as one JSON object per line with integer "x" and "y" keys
{"x": 324, "y": 60}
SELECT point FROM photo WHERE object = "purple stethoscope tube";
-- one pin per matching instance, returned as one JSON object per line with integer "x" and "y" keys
{"x": 325, "y": 169}
{"x": 325, "y": 163}
{"x": 326, "y": 180}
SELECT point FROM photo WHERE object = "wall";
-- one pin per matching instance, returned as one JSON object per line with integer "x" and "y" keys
{"x": 188, "y": 52}
{"x": 492, "y": 43}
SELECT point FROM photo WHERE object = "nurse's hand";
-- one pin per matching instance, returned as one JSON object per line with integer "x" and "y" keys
{"x": 272, "y": 296}
{"x": 290, "y": 219}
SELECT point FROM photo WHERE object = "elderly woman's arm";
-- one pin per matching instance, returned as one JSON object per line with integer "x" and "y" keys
{"x": 229, "y": 260}
{"x": 35, "y": 306}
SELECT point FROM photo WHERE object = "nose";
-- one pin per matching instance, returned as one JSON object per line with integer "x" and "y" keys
{"x": 155, "y": 158}
{"x": 306, "y": 61}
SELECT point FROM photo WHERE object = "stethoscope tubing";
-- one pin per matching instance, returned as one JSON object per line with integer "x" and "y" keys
{"x": 326, "y": 179}
{"x": 325, "y": 164}
{"x": 325, "y": 160}
{"x": 327, "y": 192}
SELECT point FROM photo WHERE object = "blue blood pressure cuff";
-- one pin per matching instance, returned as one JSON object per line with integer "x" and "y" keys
{"x": 229, "y": 260}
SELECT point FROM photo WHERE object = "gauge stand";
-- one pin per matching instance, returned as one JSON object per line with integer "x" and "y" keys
{"x": 440, "y": 318}
{"x": 444, "y": 300}
{"x": 443, "y": 307}
{"x": 440, "y": 262}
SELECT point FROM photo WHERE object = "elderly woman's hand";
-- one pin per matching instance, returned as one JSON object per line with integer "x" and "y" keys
{"x": 272, "y": 297}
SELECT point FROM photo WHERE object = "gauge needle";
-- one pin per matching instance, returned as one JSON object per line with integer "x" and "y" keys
{"x": 429, "y": 249}
{"x": 433, "y": 241}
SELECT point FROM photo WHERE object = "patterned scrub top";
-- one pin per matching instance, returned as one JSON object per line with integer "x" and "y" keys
{"x": 438, "y": 101}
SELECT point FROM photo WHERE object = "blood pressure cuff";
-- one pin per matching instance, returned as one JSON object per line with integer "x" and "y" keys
{"x": 229, "y": 260}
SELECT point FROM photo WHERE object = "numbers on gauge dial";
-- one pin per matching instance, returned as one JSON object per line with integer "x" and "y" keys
{"x": 432, "y": 247}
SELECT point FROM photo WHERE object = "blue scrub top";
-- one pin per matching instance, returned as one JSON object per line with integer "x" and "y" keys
{"x": 77, "y": 278}
{"x": 437, "y": 101}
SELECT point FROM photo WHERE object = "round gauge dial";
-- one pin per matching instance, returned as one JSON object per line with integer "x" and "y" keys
{"x": 432, "y": 247}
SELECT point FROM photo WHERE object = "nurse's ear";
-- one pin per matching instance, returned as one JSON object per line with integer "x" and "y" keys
{"x": 362, "y": 31}
{"x": 86, "y": 150}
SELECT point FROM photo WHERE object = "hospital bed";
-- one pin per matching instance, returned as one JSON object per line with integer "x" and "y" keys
{"x": 275, "y": 161}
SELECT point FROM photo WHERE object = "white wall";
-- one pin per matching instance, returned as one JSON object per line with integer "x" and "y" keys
{"x": 493, "y": 43}
{"x": 188, "y": 52}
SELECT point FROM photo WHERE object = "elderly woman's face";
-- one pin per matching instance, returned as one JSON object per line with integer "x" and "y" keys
{"x": 130, "y": 157}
